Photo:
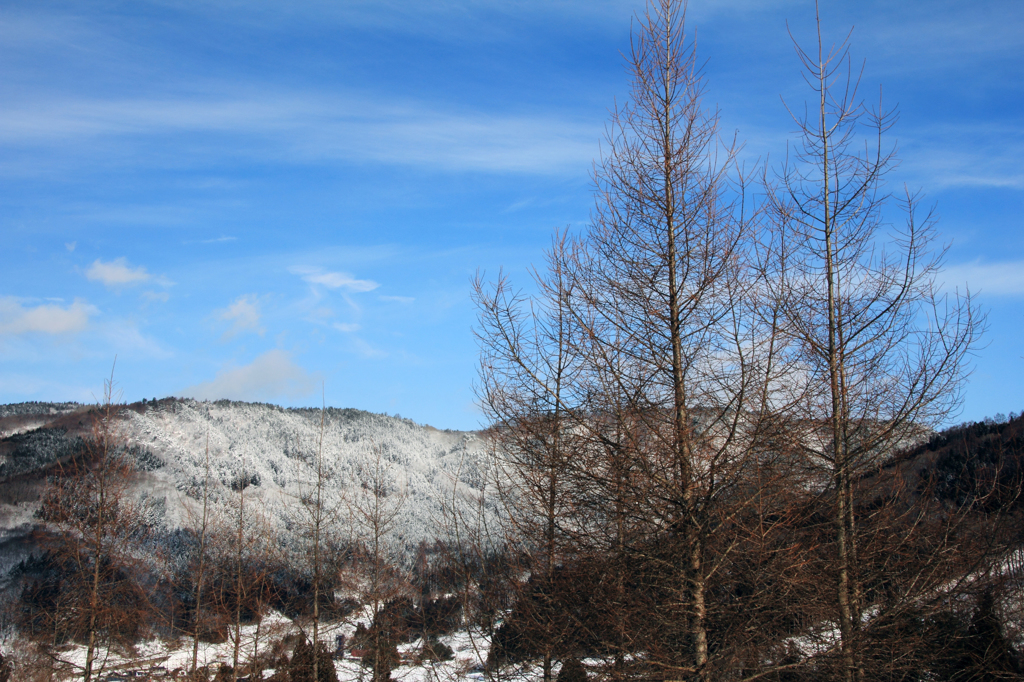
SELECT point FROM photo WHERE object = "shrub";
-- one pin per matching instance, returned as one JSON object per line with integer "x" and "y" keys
{"x": 436, "y": 650}
{"x": 572, "y": 671}
{"x": 301, "y": 667}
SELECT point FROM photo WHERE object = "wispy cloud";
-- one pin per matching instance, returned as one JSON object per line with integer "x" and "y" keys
{"x": 116, "y": 273}
{"x": 16, "y": 318}
{"x": 124, "y": 338}
{"x": 347, "y": 327}
{"x": 397, "y": 299}
{"x": 997, "y": 279}
{"x": 271, "y": 375}
{"x": 966, "y": 155}
{"x": 367, "y": 350}
{"x": 244, "y": 315}
{"x": 215, "y": 240}
{"x": 465, "y": 22}
{"x": 334, "y": 280}
{"x": 303, "y": 128}
{"x": 451, "y": 22}
{"x": 959, "y": 37}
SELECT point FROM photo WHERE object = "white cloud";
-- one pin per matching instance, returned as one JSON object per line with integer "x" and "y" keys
{"x": 271, "y": 375}
{"x": 347, "y": 327}
{"x": 335, "y": 280}
{"x": 999, "y": 279}
{"x": 116, "y": 273}
{"x": 45, "y": 319}
{"x": 244, "y": 315}
{"x": 154, "y": 296}
{"x": 70, "y": 246}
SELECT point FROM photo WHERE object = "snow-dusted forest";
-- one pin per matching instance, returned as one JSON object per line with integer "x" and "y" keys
{"x": 271, "y": 448}
{"x": 267, "y": 445}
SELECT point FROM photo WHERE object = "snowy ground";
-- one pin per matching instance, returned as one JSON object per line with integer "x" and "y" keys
{"x": 160, "y": 658}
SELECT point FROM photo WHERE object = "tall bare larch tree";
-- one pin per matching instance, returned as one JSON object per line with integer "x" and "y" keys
{"x": 879, "y": 350}
{"x": 667, "y": 361}
{"x": 677, "y": 357}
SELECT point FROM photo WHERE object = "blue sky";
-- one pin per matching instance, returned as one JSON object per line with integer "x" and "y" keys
{"x": 251, "y": 199}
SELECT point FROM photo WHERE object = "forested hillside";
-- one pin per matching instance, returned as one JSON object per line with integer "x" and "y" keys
{"x": 180, "y": 479}
{"x": 267, "y": 445}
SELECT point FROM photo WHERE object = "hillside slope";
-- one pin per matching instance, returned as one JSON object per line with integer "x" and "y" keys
{"x": 267, "y": 446}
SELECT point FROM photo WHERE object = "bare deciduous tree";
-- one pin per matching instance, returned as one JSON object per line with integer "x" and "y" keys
{"x": 249, "y": 555}
{"x": 98, "y": 525}
{"x": 472, "y": 550}
{"x": 199, "y": 522}
{"x": 527, "y": 374}
{"x": 677, "y": 357}
{"x": 663, "y": 376}
{"x": 317, "y": 512}
{"x": 374, "y": 511}
{"x": 878, "y": 351}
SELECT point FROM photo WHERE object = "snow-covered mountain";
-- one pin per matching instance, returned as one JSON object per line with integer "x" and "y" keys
{"x": 267, "y": 446}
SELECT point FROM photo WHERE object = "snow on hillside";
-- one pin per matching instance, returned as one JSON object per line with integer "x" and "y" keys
{"x": 35, "y": 408}
{"x": 270, "y": 447}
